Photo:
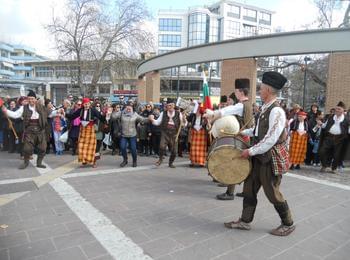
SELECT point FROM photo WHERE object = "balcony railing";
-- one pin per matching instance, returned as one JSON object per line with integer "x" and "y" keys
{"x": 24, "y": 68}
{"x": 5, "y": 59}
{"x": 7, "y": 72}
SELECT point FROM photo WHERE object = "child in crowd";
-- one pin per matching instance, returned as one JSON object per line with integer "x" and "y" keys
{"x": 59, "y": 126}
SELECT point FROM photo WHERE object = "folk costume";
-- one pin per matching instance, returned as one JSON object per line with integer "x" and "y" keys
{"x": 199, "y": 138}
{"x": 87, "y": 135}
{"x": 267, "y": 158}
{"x": 35, "y": 130}
{"x": 170, "y": 123}
{"x": 298, "y": 142}
{"x": 333, "y": 139}
{"x": 243, "y": 111}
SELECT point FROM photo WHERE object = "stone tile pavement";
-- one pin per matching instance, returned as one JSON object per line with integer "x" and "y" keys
{"x": 171, "y": 214}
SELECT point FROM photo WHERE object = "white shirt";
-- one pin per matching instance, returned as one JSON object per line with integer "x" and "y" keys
{"x": 197, "y": 123}
{"x": 236, "y": 109}
{"x": 19, "y": 113}
{"x": 277, "y": 122}
{"x": 171, "y": 122}
{"x": 335, "y": 129}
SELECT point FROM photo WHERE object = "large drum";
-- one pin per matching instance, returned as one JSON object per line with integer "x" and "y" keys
{"x": 225, "y": 163}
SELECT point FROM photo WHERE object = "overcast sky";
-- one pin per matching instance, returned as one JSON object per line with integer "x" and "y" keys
{"x": 22, "y": 21}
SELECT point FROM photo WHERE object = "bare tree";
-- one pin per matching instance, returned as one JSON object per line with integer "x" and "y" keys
{"x": 100, "y": 32}
{"x": 346, "y": 19}
{"x": 326, "y": 10}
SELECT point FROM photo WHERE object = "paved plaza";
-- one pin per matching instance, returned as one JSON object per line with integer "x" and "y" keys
{"x": 72, "y": 213}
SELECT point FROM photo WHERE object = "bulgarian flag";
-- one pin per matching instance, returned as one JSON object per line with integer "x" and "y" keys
{"x": 206, "y": 95}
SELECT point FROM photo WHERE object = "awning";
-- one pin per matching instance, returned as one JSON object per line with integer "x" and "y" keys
{"x": 7, "y": 64}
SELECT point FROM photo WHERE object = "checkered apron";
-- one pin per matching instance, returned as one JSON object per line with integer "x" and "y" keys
{"x": 198, "y": 151}
{"x": 87, "y": 144}
{"x": 297, "y": 148}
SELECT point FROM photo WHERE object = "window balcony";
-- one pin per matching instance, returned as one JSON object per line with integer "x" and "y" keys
{"x": 5, "y": 59}
{"x": 25, "y": 58}
{"x": 6, "y": 47}
{"x": 7, "y": 72}
{"x": 22, "y": 68}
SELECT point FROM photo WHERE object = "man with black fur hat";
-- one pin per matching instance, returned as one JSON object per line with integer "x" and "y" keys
{"x": 333, "y": 138}
{"x": 35, "y": 129}
{"x": 269, "y": 139}
{"x": 243, "y": 110}
{"x": 170, "y": 122}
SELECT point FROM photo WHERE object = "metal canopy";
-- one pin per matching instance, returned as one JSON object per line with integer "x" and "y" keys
{"x": 279, "y": 44}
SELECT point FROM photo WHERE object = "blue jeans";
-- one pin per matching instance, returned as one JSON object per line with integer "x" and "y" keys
{"x": 132, "y": 145}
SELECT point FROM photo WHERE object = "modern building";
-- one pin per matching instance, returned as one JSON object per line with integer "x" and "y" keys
{"x": 13, "y": 59}
{"x": 22, "y": 69}
{"x": 16, "y": 76}
{"x": 221, "y": 21}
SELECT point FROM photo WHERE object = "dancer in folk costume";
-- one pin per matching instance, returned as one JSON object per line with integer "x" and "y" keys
{"x": 170, "y": 121}
{"x": 298, "y": 141}
{"x": 199, "y": 138}
{"x": 35, "y": 128}
{"x": 87, "y": 135}
{"x": 243, "y": 110}
{"x": 269, "y": 155}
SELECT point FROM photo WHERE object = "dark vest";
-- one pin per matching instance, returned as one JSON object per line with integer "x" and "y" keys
{"x": 27, "y": 113}
{"x": 165, "y": 121}
{"x": 247, "y": 115}
{"x": 263, "y": 128}
{"x": 344, "y": 126}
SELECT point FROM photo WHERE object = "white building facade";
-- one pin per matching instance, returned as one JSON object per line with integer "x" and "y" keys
{"x": 221, "y": 21}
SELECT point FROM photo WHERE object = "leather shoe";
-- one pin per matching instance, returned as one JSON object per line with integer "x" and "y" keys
{"x": 240, "y": 194}
{"x": 225, "y": 196}
{"x": 282, "y": 230}
{"x": 123, "y": 163}
{"x": 239, "y": 224}
{"x": 134, "y": 164}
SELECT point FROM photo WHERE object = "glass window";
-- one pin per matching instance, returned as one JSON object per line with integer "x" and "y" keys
{"x": 169, "y": 40}
{"x": 249, "y": 15}
{"x": 264, "y": 18}
{"x": 198, "y": 32}
{"x": 43, "y": 72}
{"x": 234, "y": 28}
{"x": 249, "y": 30}
{"x": 234, "y": 11}
{"x": 172, "y": 25}
{"x": 263, "y": 30}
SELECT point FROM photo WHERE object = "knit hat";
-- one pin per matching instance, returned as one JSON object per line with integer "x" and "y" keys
{"x": 85, "y": 100}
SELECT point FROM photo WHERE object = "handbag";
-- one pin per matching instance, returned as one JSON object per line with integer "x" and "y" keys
{"x": 64, "y": 137}
{"x": 107, "y": 140}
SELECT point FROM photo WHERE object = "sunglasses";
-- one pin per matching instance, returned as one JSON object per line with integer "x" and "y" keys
{"x": 78, "y": 104}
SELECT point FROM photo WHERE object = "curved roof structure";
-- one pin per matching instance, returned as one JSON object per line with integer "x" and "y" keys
{"x": 278, "y": 44}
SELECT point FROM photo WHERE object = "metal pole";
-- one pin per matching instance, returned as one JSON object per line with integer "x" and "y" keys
{"x": 209, "y": 82}
{"x": 306, "y": 59}
{"x": 171, "y": 80}
{"x": 178, "y": 82}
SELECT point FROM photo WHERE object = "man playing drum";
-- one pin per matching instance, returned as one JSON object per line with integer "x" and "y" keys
{"x": 243, "y": 110}
{"x": 269, "y": 134}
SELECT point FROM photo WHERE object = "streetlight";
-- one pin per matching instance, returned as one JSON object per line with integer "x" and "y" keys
{"x": 209, "y": 82}
{"x": 306, "y": 59}
{"x": 178, "y": 83}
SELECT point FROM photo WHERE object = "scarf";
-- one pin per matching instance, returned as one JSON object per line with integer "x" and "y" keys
{"x": 57, "y": 124}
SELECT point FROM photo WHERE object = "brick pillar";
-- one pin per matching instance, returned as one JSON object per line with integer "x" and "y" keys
{"x": 141, "y": 89}
{"x": 152, "y": 86}
{"x": 338, "y": 80}
{"x": 238, "y": 68}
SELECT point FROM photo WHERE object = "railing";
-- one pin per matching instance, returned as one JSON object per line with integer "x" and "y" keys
{"x": 7, "y": 72}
